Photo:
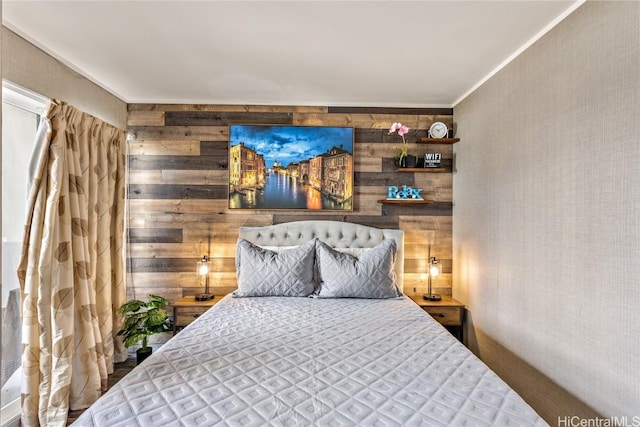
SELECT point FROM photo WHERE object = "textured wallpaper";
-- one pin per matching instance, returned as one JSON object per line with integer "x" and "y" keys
{"x": 26, "y": 65}
{"x": 547, "y": 216}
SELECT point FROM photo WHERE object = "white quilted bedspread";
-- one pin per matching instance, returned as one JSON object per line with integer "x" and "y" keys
{"x": 311, "y": 362}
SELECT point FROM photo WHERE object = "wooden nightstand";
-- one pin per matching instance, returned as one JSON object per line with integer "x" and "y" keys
{"x": 448, "y": 312}
{"x": 187, "y": 309}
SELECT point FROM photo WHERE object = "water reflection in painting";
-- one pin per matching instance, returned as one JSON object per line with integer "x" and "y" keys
{"x": 283, "y": 192}
{"x": 290, "y": 167}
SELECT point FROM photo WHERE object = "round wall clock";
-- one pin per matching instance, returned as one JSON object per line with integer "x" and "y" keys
{"x": 438, "y": 130}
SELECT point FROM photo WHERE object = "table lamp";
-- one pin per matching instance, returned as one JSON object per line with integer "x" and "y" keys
{"x": 435, "y": 269}
{"x": 203, "y": 271}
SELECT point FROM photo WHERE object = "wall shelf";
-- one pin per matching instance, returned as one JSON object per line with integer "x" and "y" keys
{"x": 421, "y": 170}
{"x": 438, "y": 140}
{"x": 404, "y": 202}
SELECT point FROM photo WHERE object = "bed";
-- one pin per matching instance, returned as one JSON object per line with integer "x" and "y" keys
{"x": 312, "y": 361}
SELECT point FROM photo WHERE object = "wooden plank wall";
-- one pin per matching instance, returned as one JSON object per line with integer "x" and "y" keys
{"x": 178, "y": 181}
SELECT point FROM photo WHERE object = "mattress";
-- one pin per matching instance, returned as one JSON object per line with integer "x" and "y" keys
{"x": 311, "y": 362}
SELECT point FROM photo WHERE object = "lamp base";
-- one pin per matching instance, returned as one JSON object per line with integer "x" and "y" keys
{"x": 204, "y": 297}
{"x": 432, "y": 297}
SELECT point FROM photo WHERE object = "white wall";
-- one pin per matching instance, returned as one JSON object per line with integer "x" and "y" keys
{"x": 547, "y": 216}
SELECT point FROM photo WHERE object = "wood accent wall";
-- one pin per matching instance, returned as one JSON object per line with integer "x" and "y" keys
{"x": 178, "y": 190}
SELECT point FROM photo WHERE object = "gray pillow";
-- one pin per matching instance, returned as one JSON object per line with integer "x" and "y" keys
{"x": 346, "y": 276}
{"x": 262, "y": 272}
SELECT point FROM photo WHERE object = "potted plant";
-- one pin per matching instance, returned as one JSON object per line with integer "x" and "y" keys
{"x": 405, "y": 160}
{"x": 143, "y": 319}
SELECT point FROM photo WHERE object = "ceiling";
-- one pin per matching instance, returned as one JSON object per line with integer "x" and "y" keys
{"x": 339, "y": 53}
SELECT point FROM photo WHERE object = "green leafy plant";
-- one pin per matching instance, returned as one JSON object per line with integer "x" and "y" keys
{"x": 143, "y": 319}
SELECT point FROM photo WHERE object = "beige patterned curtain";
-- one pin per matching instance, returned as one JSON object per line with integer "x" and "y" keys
{"x": 72, "y": 269}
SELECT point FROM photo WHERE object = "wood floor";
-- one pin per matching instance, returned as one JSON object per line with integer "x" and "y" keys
{"x": 119, "y": 371}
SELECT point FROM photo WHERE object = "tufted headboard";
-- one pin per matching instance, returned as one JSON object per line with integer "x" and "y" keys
{"x": 334, "y": 233}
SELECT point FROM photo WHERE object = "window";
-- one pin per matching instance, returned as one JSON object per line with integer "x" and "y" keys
{"x": 21, "y": 112}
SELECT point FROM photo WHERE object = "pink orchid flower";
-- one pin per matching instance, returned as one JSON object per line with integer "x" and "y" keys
{"x": 394, "y": 127}
{"x": 402, "y": 131}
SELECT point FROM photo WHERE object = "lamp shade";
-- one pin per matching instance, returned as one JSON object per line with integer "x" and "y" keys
{"x": 203, "y": 266}
{"x": 435, "y": 268}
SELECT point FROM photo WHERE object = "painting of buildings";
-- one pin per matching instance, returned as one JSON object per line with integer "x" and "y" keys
{"x": 246, "y": 168}
{"x": 290, "y": 167}
{"x": 337, "y": 171}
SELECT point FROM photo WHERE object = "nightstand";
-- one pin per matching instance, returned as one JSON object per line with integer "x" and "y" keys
{"x": 448, "y": 312}
{"x": 187, "y": 309}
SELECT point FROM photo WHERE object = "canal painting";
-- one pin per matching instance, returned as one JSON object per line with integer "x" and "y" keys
{"x": 290, "y": 167}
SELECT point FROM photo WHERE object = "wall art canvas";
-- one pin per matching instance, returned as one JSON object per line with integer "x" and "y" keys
{"x": 290, "y": 167}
